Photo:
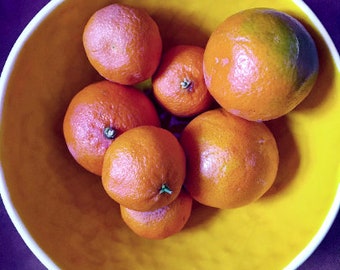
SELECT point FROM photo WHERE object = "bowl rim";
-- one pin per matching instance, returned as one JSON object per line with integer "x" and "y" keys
{"x": 335, "y": 207}
{"x": 4, "y": 79}
{"x": 299, "y": 259}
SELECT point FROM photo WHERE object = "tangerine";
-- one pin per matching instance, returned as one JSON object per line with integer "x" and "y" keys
{"x": 123, "y": 43}
{"x": 98, "y": 114}
{"x": 144, "y": 168}
{"x": 260, "y": 64}
{"x": 231, "y": 161}
{"x": 160, "y": 223}
{"x": 179, "y": 82}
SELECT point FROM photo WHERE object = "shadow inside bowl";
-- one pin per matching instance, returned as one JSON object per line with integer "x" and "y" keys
{"x": 289, "y": 155}
{"x": 178, "y": 28}
{"x": 201, "y": 214}
{"x": 288, "y": 150}
{"x": 325, "y": 80}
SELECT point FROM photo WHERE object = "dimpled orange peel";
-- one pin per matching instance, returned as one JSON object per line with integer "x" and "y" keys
{"x": 123, "y": 43}
{"x": 144, "y": 168}
{"x": 260, "y": 63}
{"x": 98, "y": 114}
{"x": 231, "y": 162}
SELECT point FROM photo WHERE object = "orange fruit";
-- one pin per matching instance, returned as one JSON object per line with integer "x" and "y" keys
{"x": 160, "y": 223}
{"x": 123, "y": 43}
{"x": 260, "y": 64}
{"x": 98, "y": 114}
{"x": 179, "y": 82}
{"x": 144, "y": 168}
{"x": 231, "y": 161}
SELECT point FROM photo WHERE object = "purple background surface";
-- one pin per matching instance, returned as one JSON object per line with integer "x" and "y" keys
{"x": 14, "y": 254}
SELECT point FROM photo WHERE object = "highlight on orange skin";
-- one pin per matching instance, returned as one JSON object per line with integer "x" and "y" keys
{"x": 100, "y": 113}
{"x": 260, "y": 64}
{"x": 231, "y": 162}
{"x": 123, "y": 43}
{"x": 144, "y": 168}
{"x": 162, "y": 222}
{"x": 179, "y": 84}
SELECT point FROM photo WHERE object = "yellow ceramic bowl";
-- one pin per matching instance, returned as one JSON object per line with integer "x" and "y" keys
{"x": 63, "y": 213}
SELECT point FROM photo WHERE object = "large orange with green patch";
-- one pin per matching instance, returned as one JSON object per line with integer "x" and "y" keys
{"x": 260, "y": 63}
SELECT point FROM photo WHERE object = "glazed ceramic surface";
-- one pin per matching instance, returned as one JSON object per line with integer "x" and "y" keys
{"x": 63, "y": 212}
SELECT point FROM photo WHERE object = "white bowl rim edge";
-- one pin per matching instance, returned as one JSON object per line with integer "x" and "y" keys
{"x": 335, "y": 207}
{"x": 13, "y": 214}
{"x": 5, "y": 195}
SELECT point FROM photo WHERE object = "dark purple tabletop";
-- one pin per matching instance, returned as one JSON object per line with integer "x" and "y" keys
{"x": 14, "y": 254}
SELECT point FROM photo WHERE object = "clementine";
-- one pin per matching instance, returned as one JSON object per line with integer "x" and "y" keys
{"x": 123, "y": 43}
{"x": 231, "y": 161}
{"x": 160, "y": 223}
{"x": 179, "y": 82}
{"x": 144, "y": 168}
{"x": 260, "y": 63}
{"x": 98, "y": 114}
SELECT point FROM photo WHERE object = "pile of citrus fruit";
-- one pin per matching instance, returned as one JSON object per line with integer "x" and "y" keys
{"x": 258, "y": 65}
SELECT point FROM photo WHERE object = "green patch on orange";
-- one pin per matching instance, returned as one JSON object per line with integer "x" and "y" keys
{"x": 260, "y": 64}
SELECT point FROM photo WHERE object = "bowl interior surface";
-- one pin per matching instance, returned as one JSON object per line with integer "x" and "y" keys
{"x": 66, "y": 210}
